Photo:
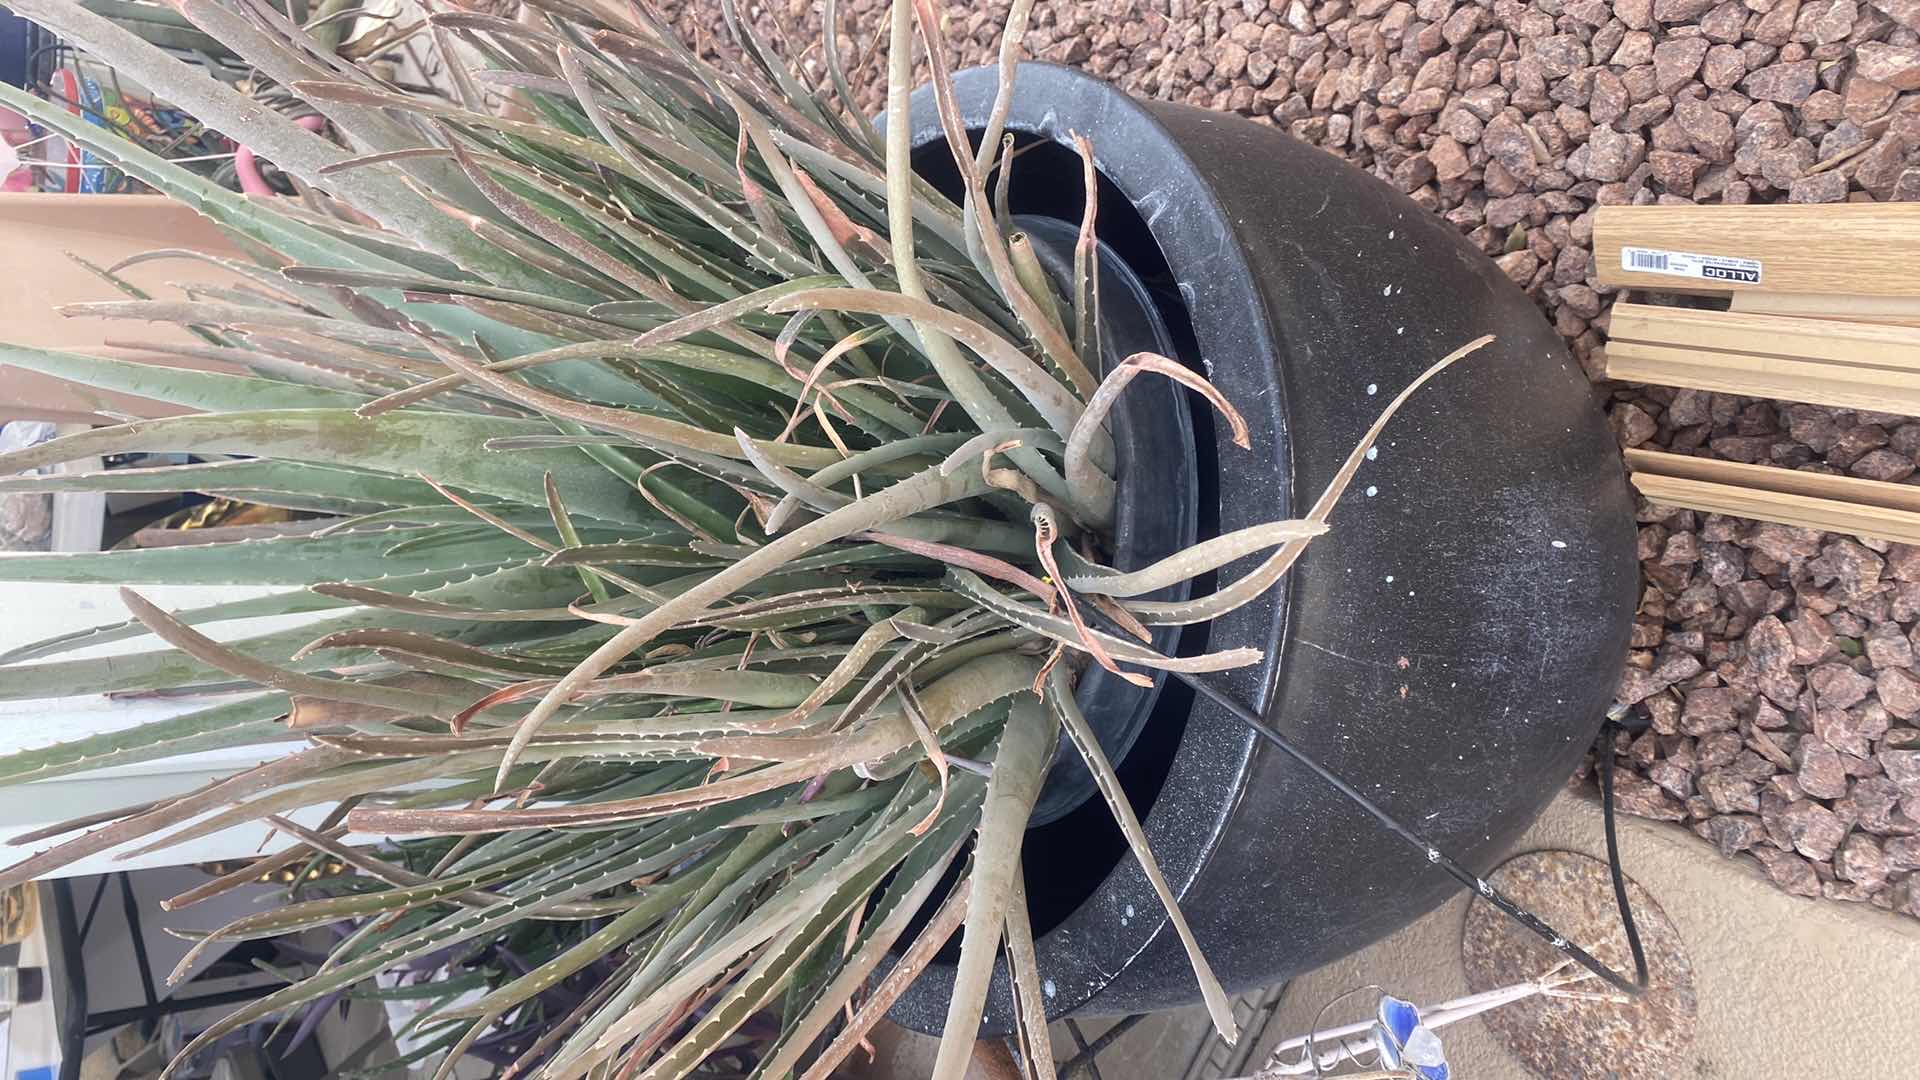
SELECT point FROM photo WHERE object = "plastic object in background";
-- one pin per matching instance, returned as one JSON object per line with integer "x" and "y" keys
{"x": 19, "y": 44}
{"x": 20, "y": 434}
{"x": 26, "y": 518}
{"x": 19, "y": 914}
{"x": 92, "y": 171}
{"x": 69, "y": 181}
{"x": 1404, "y": 1042}
{"x": 20, "y": 986}
{"x": 248, "y": 170}
{"x": 14, "y": 132}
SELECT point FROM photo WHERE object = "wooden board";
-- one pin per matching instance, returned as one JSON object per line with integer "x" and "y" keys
{"x": 36, "y": 233}
{"x": 1842, "y": 504}
{"x": 1821, "y": 361}
{"x": 1828, "y": 340}
{"x": 1850, "y": 489}
{"x": 1889, "y": 310}
{"x": 1762, "y": 377}
{"x": 1866, "y": 249}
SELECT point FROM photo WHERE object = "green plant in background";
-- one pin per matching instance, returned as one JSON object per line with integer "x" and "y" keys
{"x": 713, "y": 503}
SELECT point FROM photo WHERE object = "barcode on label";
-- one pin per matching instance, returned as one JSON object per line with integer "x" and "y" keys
{"x": 1726, "y": 269}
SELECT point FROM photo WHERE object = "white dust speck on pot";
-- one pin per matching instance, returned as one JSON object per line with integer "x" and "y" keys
{"x": 1372, "y": 491}
{"x": 1048, "y": 988}
{"x": 1399, "y": 330}
{"x": 1372, "y": 389}
{"x": 1389, "y": 579}
{"x": 1559, "y": 543}
{"x": 1388, "y": 291}
{"x": 1373, "y": 452}
{"x": 1129, "y": 911}
{"x": 1390, "y": 233}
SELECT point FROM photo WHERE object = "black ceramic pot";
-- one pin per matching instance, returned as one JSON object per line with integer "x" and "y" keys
{"x": 1449, "y": 647}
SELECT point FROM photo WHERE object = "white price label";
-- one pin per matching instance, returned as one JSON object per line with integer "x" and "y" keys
{"x": 1687, "y": 264}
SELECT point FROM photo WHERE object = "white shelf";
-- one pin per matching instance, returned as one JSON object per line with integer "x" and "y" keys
{"x": 36, "y": 611}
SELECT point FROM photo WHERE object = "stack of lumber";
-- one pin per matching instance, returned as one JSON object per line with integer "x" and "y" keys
{"x": 1824, "y": 308}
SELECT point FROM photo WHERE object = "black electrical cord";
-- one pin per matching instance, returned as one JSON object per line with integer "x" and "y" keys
{"x": 1604, "y": 751}
{"x": 33, "y": 60}
{"x": 1453, "y": 869}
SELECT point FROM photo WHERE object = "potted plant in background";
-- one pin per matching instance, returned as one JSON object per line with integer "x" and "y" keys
{"x": 726, "y": 497}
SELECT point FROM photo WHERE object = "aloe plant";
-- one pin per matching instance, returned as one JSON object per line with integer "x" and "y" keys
{"x": 715, "y": 517}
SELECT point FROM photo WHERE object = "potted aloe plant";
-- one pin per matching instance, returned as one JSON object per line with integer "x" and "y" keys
{"x": 738, "y": 520}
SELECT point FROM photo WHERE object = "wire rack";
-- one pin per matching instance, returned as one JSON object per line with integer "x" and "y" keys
{"x": 1117, "y": 1049}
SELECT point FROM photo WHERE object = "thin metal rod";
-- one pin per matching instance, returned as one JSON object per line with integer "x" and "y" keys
{"x": 93, "y": 907}
{"x": 135, "y": 931}
{"x": 1092, "y": 1064}
{"x": 113, "y": 1018}
{"x": 1089, "y": 1052}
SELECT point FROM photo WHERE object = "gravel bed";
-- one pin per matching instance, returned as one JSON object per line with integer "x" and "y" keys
{"x": 1776, "y": 664}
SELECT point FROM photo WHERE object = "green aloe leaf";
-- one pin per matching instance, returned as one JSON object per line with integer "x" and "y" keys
{"x": 280, "y": 560}
{"x": 444, "y": 446}
{"x": 294, "y": 602}
{"x": 1019, "y": 764}
{"x": 216, "y": 477}
{"x": 594, "y": 867}
{"x": 164, "y": 669}
{"x": 200, "y": 390}
{"x": 1061, "y": 702}
{"x": 919, "y": 875}
{"x": 239, "y": 723}
{"x": 800, "y": 899}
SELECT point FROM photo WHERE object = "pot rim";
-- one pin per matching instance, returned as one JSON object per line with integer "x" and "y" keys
{"x": 1094, "y": 945}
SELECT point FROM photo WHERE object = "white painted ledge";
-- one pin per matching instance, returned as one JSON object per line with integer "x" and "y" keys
{"x": 32, "y": 611}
